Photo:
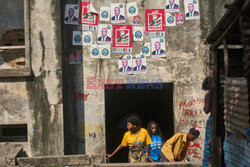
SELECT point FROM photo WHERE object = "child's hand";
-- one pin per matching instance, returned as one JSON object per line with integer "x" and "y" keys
{"x": 108, "y": 156}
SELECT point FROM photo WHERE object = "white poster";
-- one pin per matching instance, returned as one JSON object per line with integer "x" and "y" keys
{"x": 87, "y": 38}
{"x": 138, "y": 33}
{"x": 172, "y": 6}
{"x": 132, "y": 9}
{"x": 192, "y": 9}
{"x": 170, "y": 20}
{"x": 146, "y": 49}
{"x": 104, "y": 51}
{"x": 125, "y": 65}
{"x": 117, "y": 13}
{"x": 104, "y": 34}
{"x": 139, "y": 64}
{"x": 158, "y": 47}
{"x": 71, "y": 14}
{"x": 94, "y": 52}
{"x": 105, "y": 14}
{"x": 77, "y": 38}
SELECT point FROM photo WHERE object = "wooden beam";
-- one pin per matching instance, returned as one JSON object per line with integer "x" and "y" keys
{"x": 12, "y": 47}
{"x": 225, "y": 57}
{"x": 9, "y": 73}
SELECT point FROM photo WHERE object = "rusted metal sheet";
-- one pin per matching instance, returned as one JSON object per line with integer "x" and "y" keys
{"x": 236, "y": 105}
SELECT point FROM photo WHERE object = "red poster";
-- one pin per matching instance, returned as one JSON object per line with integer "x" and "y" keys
{"x": 85, "y": 17}
{"x": 155, "y": 22}
{"x": 75, "y": 59}
{"x": 122, "y": 38}
{"x": 179, "y": 19}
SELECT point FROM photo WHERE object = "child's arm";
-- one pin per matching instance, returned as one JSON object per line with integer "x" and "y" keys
{"x": 148, "y": 150}
{"x": 116, "y": 150}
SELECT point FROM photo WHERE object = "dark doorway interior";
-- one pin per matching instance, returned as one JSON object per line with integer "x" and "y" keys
{"x": 148, "y": 104}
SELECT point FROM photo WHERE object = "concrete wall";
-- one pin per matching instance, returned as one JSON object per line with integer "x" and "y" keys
{"x": 184, "y": 66}
{"x": 37, "y": 100}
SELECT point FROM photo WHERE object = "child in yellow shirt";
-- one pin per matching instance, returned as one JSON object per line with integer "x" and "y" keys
{"x": 136, "y": 139}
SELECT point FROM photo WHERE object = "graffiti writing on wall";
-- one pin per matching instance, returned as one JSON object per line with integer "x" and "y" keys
{"x": 81, "y": 96}
{"x": 92, "y": 135}
{"x": 195, "y": 148}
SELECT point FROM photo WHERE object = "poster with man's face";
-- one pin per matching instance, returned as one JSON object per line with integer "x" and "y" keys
{"x": 158, "y": 47}
{"x": 139, "y": 64}
{"x": 71, "y": 14}
{"x": 117, "y": 13}
{"x": 104, "y": 34}
{"x": 122, "y": 38}
{"x": 192, "y": 11}
{"x": 155, "y": 23}
{"x": 125, "y": 65}
{"x": 172, "y": 6}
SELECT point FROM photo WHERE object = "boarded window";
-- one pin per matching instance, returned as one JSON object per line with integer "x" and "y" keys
{"x": 13, "y": 133}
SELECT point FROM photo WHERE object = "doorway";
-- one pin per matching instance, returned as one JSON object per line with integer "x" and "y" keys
{"x": 147, "y": 104}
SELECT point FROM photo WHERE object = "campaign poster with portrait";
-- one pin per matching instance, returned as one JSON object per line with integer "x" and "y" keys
{"x": 94, "y": 52}
{"x": 139, "y": 64}
{"x": 172, "y": 6}
{"x": 132, "y": 9}
{"x": 122, "y": 38}
{"x": 192, "y": 11}
{"x": 104, "y": 34}
{"x": 88, "y": 17}
{"x": 87, "y": 38}
{"x": 138, "y": 33}
{"x": 155, "y": 23}
{"x": 117, "y": 13}
{"x": 104, "y": 51}
{"x": 71, "y": 14}
{"x": 158, "y": 47}
{"x": 170, "y": 20}
{"x": 77, "y": 38}
{"x": 179, "y": 18}
{"x": 146, "y": 49}
{"x": 125, "y": 65}
{"x": 105, "y": 14}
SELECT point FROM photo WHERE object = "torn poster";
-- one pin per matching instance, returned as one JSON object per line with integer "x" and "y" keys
{"x": 75, "y": 59}
{"x": 104, "y": 51}
{"x": 132, "y": 9}
{"x": 122, "y": 39}
{"x": 125, "y": 65}
{"x": 117, "y": 13}
{"x": 170, "y": 20}
{"x": 105, "y": 14}
{"x": 137, "y": 21}
{"x": 138, "y": 33}
{"x": 146, "y": 49}
{"x": 155, "y": 23}
{"x": 179, "y": 18}
{"x": 104, "y": 34}
{"x": 158, "y": 47}
{"x": 77, "y": 38}
{"x": 87, "y": 38}
{"x": 71, "y": 14}
{"x": 192, "y": 9}
{"x": 94, "y": 52}
{"x": 139, "y": 64}
{"x": 172, "y": 5}
{"x": 88, "y": 17}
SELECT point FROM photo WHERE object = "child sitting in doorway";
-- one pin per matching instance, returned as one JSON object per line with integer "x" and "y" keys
{"x": 156, "y": 137}
{"x": 136, "y": 138}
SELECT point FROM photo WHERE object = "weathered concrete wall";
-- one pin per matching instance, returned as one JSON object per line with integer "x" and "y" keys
{"x": 184, "y": 66}
{"x": 37, "y": 100}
